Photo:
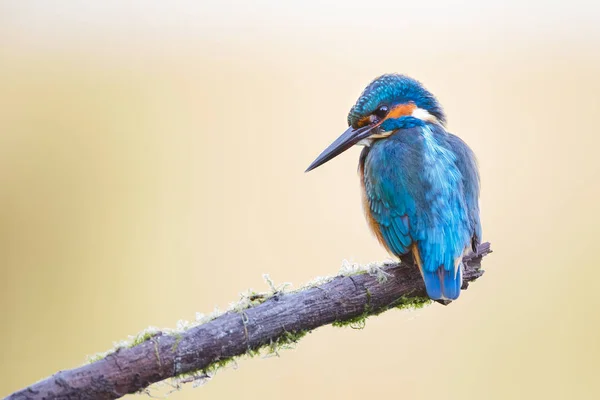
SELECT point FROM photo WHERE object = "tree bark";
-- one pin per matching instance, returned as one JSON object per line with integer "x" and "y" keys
{"x": 281, "y": 318}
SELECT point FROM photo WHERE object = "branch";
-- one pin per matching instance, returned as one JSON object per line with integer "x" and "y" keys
{"x": 274, "y": 320}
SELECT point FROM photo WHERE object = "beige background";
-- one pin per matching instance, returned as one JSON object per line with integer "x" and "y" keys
{"x": 151, "y": 166}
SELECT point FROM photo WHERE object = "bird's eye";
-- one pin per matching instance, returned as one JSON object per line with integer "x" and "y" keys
{"x": 381, "y": 112}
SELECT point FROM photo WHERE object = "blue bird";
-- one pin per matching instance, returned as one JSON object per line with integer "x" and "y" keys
{"x": 420, "y": 183}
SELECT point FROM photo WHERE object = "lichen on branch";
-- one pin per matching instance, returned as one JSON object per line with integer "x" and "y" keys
{"x": 259, "y": 323}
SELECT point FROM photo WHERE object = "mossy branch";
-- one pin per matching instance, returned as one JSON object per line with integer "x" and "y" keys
{"x": 262, "y": 320}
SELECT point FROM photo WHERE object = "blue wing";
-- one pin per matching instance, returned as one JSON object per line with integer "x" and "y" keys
{"x": 391, "y": 195}
{"x": 467, "y": 164}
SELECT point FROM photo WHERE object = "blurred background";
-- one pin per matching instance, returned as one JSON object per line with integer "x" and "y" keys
{"x": 151, "y": 167}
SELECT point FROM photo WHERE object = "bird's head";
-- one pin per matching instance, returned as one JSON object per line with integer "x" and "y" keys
{"x": 389, "y": 103}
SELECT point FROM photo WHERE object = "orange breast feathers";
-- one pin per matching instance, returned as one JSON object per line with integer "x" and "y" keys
{"x": 373, "y": 225}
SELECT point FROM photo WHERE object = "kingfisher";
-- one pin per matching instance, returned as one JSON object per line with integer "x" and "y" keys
{"x": 420, "y": 183}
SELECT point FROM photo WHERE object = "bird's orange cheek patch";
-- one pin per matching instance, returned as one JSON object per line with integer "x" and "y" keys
{"x": 364, "y": 121}
{"x": 401, "y": 110}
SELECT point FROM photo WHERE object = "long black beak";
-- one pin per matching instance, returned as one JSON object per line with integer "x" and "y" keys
{"x": 341, "y": 144}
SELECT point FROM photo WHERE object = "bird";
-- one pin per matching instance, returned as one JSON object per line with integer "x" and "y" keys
{"x": 420, "y": 183}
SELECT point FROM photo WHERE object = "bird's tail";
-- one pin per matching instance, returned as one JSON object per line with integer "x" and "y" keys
{"x": 443, "y": 284}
